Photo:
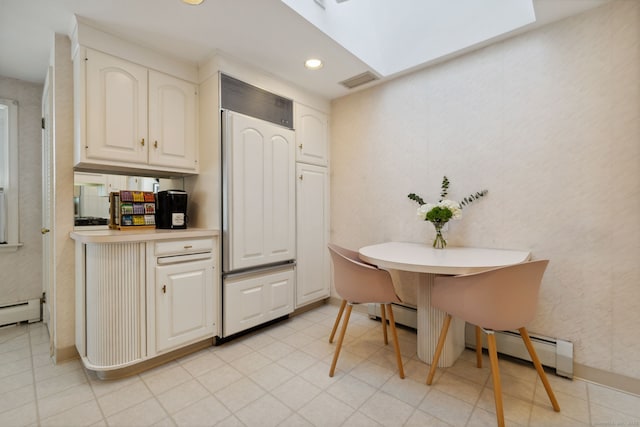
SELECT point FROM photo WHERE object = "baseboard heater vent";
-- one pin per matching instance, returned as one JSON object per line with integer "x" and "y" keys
{"x": 552, "y": 352}
{"x": 403, "y": 314}
{"x": 20, "y": 312}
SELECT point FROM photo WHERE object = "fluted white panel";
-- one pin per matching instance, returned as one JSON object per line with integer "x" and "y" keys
{"x": 114, "y": 284}
{"x": 429, "y": 326}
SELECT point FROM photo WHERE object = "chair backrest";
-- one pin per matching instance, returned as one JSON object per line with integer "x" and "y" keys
{"x": 500, "y": 299}
{"x": 359, "y": 282}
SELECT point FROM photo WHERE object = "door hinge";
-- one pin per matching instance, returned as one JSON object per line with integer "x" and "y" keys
{"x": 43, "y": 123}
{"x": 43, "y": 299}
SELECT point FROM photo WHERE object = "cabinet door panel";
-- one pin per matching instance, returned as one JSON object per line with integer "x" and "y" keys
{"x": 184, "y": 303}
{"x": 313, "y": 229}
{"x": 261, "y": 192}
{"x": 116, "y": 99}
{"x": 172, "y": 121}
{"x": 255, "y": 299}
{"x": 311, "y": 136}
{"x": 280, "y": 228}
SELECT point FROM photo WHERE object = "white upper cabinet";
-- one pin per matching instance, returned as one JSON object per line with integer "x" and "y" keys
{"x": 129, "y": 117}
{"x": 312, "y": 128}
{"x": 116, "y": 102}
{"x": 173, "y": 109}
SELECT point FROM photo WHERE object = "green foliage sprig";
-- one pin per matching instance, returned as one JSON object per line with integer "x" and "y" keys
{"x": 416, "y": 198}
{"x": 444, "y": 188}
{"x": 444, "y": 191}
{"x": 472, "y": 197}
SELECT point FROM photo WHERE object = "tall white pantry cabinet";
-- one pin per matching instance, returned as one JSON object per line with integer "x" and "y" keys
{"x": 312, "y": 205}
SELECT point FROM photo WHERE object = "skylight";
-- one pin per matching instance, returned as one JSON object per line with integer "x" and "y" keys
{"x": 393, "y": 36}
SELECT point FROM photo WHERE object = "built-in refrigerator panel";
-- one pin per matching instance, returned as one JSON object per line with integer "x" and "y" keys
{"x": 258, "y": 206}
{"x": 256, "y": 297}
{"x": 258, "y": 218}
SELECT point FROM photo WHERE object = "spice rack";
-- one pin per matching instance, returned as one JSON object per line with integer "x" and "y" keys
{"x": 132, "y": 210}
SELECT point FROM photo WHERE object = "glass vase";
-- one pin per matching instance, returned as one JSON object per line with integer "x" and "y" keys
{"x": 439, "y": 242}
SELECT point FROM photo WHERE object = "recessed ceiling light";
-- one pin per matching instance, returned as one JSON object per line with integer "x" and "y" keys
{"x": 313, "y": 63}
{"x": 193, "y": 2}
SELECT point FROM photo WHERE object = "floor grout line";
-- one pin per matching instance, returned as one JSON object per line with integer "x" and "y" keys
{"x": 33, "y": 376}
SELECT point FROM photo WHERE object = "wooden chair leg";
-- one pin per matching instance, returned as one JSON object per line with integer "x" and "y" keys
{"x": 396, "y": 343}
{"x": 337, "y": 322}
{"x": 383, "y": 319}
{"x": 495, "y": 375}
{"x": 478, "y": 346}
{"x": 436, "y": 356}
{"x": 538, "y": 365}
{"x": 345, "y": 322}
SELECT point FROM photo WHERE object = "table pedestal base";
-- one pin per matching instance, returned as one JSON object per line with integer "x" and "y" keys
{"x": 430, "y": 322}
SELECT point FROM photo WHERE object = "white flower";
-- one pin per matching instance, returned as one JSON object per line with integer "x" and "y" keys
{"x": 424, "y": 209}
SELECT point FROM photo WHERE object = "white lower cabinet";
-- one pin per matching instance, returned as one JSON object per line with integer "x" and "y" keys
{"x": 184, "y": 303}
{"x": 253, "y": 299}
{"x": 110, "y": 325}
{"x": 139, "y": 299}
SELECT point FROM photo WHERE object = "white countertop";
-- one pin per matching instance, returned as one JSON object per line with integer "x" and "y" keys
{"x": 422, "y": 258}
{"x": 144, "y": 235}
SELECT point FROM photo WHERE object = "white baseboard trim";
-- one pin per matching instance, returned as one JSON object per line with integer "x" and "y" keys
{"x": 607, "y": 379}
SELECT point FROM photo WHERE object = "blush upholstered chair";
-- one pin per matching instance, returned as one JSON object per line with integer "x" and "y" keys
{"x": 500, "y": 299}
{"x": 353, "y": 255}
{"x": 357, "y": 282}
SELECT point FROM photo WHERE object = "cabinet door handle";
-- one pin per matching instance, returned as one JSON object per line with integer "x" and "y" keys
{"x": 188, "y": 246}
{"x": 164, "y": 289}
{"x": 301, "y": 177}
{"x": 142, "y": 142}
{"x": 300, "y": 146}
{"x": 155, "y": 144}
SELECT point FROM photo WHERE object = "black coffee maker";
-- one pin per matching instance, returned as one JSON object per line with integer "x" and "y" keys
{"x": 171, "y": 209}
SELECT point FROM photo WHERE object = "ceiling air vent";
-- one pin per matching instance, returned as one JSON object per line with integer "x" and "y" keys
{"x": 359, "y": 80}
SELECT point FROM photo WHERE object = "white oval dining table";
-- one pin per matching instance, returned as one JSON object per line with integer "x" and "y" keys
{"x": 429, "y": 262}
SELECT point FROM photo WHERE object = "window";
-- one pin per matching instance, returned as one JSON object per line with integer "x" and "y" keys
{"x": 8, "y": 175}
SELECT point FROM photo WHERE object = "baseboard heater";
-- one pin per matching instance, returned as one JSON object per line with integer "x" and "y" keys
{"x": 552, "y": 352}
{"x": 28, "y": 311}
{"x": 405, "y": 315}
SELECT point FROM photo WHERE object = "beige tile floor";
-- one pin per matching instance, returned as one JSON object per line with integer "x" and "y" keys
{"x": 279, "y": 377}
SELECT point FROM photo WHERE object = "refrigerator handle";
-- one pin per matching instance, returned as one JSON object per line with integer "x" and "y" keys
{"x": 260, "y": 270}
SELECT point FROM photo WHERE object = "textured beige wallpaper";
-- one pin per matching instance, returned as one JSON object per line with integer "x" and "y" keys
{"x": 549, "y": 122}
{"x": 21, "y": 271}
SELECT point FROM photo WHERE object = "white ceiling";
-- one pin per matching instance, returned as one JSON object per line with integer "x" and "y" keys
{"x": 263, "y": 33}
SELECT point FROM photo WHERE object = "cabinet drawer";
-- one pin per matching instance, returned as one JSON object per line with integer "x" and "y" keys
{"x": 177, "y": 247}
{"x": 254, "y": 299}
